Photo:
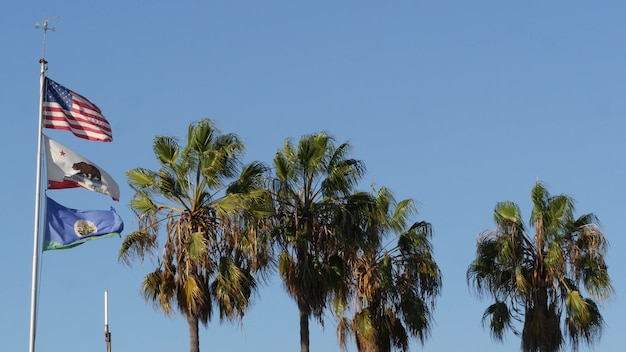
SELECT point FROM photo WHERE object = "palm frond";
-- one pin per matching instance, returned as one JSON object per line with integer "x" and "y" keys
{"x": 169, "y": 186}
{"x": 416, "y": 315}
{"x": 192, "y": 294}
{"x": 200, "y": 136}
{"x": 561, "y": 212}
{"x": 343, "y": 333}
{"x": 499, "y": 318}
{"x": 482, "y": 274}
{"x": 589, "y": 329}
{"x": 539, "y": 196}
{"x": 281, "y": 167}
{"x": 416, "y": 238}
{"x": 522, "y": 282}
{"x": 555, "y": 259}
{"x": 151, "y": 285}
{"x": 250, "y": 179}
{"x": 155, "y": 287}
{"x": 363, "y": 326}
{"x": 196, "y": 246}
{"x": 596, "y": 279}
{"x": 402, "y": 212}
{"x": 232, "y": 288}
{"x": 507, "y": 214}
{"x": 137, "y": 244}
{"x": 576, "y": 307}
{"x": 141, "y": 178}
{"x": 143, "y": 204}
{"x": 398, "y": 335}
{"x": 166, "y": 150}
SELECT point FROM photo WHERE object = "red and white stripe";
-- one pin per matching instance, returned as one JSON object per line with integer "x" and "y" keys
{"x": 85, "y": 120}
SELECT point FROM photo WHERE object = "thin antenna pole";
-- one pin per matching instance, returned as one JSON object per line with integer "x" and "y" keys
{"x": 107, "y": 334}
{"x": 35, "y": 273}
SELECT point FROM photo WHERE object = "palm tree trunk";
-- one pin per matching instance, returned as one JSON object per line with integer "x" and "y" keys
{"x": 194, "y": 339}
{"x": 304, "y": 330}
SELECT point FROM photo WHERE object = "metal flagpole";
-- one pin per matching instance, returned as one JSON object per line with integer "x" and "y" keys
{"x": 107, "y": 334}
{"x": 35, "y": 273}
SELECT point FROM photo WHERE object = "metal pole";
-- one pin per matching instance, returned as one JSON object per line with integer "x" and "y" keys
{"x": 107, "y": 334}
{"x": 35, "y": 272}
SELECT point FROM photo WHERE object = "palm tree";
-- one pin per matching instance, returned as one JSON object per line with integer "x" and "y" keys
{"x": 313, "y": 187}
{"x": 213, "y": 243}
{"x": 537, "y": 280}
{"x": 393, "y": 289}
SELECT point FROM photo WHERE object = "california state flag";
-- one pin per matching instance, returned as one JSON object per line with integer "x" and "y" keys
{"x": 67, "y": 169}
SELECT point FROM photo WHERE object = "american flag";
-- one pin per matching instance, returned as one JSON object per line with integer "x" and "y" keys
{"x": 67, "y": 110}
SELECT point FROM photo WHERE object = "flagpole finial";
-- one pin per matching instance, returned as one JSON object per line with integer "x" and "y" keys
{"x": 46, "y": 27}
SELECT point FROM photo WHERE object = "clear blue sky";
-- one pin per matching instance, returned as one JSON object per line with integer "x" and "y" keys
{"x": 456, "y": 104}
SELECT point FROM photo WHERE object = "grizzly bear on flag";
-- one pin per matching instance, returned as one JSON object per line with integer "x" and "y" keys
{"x": 87, "y": 170}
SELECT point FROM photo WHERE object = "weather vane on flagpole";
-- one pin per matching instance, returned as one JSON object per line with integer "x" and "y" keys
{"x": 44, "y": 25}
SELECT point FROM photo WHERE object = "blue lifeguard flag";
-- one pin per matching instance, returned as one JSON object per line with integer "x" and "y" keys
{"x": 67, "y": 228}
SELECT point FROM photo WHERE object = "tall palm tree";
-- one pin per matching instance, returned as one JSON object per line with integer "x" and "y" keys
{"x": 313, "y": 187}
{"x": 393, "y": 289}
{"x": 214, "y": 242}
{"x": 540, "y": 279}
